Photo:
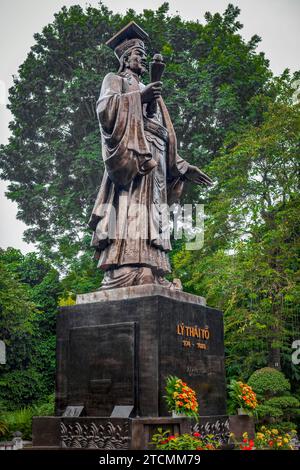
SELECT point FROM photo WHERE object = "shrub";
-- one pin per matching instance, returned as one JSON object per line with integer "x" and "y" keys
{"x": 21, "y": 420}
{"x": 273, "y": 392}
{"x": 45, "y": 409}
{"x": 21, "y": 387}
{"x": 269, "y": 382}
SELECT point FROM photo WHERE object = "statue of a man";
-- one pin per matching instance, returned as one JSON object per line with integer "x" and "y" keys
{"x": 143, "y": 172}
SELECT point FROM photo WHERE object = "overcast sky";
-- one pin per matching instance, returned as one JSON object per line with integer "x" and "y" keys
{"x": 275, "y": 21}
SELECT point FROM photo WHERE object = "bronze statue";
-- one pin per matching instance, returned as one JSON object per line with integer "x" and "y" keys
{"x": 143, "y": 172}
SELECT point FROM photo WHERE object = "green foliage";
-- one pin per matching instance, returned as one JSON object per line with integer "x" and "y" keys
{"x": 269, "y": 382}
{"x": 67, "y": 300}
{"x": 46, "y": 408}
{"x": 15, "y": 306}
{"x": 21, "y": 420}
{"x": 284, "y": 402}
{"x": 29, "y": 292}
{"x": 249, "y": 266}
{"x": 83, "y": 276}
{"x": 163, "y": 440}
{"x": 21, "y": 388}
{"x": 273, "y": 391}
{"x": 267, "y": 412}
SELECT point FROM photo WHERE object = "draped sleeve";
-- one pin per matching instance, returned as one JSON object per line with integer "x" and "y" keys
{"x": 125, "y": 149}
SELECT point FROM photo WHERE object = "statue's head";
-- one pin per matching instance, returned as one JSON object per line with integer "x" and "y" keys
{"x": 129, "y": 47}
{"x": 134, "y": 60}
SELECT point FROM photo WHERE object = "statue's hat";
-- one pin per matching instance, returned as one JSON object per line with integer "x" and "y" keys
{"x": 127, "y": 38}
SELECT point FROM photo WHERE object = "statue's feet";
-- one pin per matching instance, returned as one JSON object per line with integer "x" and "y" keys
{"x": 127, "y": 276}
{"x": 174, "y": 285}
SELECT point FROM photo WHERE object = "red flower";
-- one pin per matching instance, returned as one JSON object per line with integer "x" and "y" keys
{"x": 197, "y": 434}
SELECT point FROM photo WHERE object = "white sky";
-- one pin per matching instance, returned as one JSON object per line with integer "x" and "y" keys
{"x": 275, "y": 21}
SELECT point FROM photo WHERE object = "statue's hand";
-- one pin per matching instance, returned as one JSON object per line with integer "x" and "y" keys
{"x": 197, "y": 176}
{"x": 151, "y": 92}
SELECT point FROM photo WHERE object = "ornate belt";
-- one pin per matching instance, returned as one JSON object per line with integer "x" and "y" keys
{"x": 156, "y": 128}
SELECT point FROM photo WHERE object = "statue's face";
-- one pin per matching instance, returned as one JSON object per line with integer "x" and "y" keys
{"x": 136, "y": 61}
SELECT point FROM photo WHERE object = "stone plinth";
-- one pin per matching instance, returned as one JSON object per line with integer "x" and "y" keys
{"x": 239, "y": 424}
{"x": 138, "y": 292}
{"x": 117, "y": 347}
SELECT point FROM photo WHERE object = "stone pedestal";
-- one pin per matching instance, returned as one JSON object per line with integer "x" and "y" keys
{"x": 117, "y": 348}
{"x": 239, "y": 424}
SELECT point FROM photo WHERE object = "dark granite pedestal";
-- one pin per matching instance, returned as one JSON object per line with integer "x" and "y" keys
{"x": 116, "y": 348}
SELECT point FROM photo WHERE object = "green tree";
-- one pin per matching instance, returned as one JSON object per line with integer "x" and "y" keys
{"x": 29, "y": 292}
{"x": 250, "y": 266}
{"x": 83, "y": 276}
{"x": 15, "y": 306}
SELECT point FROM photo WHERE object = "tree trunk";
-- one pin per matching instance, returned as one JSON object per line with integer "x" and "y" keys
{"x": 274, "y": 358}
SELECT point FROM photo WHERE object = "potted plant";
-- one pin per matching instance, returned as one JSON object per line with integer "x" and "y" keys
{"x": 243, "y": 398}
{"x": 181, "y": 399}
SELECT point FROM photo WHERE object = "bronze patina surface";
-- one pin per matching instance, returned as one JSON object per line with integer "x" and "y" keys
{"x": 143, "y": 172}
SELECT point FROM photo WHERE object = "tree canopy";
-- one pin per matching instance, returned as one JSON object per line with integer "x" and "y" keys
{"x": 29, "y": 293}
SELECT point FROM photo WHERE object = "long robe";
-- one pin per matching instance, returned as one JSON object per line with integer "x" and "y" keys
{"x": 142, "y": 174}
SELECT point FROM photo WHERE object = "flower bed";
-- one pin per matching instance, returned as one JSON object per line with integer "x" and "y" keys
{"x": 266, "y": 439}
{"x": 165, "y": 441}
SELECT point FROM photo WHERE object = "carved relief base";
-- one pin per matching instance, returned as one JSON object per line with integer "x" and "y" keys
{"x": 119, "y": 433}
{"x": 89, "y": 434}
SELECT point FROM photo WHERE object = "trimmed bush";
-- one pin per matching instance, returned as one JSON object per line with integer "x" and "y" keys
{"x": 269, "y": 382}
{"x": 276, "y": 403}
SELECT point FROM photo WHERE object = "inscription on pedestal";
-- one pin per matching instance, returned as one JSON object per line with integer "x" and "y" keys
{"x": 194, "y": 336}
